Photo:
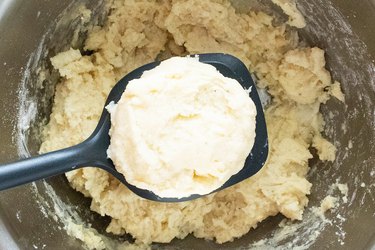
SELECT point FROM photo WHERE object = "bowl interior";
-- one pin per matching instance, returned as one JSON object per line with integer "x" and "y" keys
{"x": 37, "y": 216}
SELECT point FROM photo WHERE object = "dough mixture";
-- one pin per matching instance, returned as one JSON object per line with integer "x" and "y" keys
{"x": 181, "y": 129}
{"x": 137, "y": 32}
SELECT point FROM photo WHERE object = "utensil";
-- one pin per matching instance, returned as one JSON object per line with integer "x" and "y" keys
{"x": 92, "y": 152}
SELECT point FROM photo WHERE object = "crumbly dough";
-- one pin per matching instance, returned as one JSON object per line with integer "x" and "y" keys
{"x": 137, "y": 32}
{"x": 328, "y": 203}
{"x": 290, "y": 8}
{"x": 182, "y": 128}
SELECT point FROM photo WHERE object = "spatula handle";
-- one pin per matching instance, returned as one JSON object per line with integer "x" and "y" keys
{"x": 43, "y": 166}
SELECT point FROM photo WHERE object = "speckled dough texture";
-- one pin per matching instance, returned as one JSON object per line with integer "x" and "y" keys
{"x": 135, "y": 33}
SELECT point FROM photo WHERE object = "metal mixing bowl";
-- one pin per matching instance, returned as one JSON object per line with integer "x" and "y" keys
{"x": 30, "y": 32}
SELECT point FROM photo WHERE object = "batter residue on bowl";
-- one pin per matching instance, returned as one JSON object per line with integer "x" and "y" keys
{"x": 137, "y": 32}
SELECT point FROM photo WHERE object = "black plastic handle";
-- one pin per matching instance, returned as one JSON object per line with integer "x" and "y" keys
{"x": 46, "y": 165}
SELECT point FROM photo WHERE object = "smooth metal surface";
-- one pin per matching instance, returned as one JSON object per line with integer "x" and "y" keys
{"x": 27, "y": 223}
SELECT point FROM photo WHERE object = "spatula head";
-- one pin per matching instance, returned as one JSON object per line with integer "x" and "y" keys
{"x": 227, "y": 65}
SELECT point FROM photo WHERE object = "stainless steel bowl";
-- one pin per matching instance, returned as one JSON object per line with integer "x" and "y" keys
{"x": 31, "y": 31}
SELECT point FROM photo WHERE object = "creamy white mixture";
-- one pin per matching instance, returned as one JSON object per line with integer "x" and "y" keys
{"x": 181, "y": 129}
{"x": 137, "y": 32}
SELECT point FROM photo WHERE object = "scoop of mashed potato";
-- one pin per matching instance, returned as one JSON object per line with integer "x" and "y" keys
{"x": 137, "y": 32}
{"x": 182, "y": 128}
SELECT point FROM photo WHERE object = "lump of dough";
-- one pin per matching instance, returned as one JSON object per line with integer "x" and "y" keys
{"x": 303, "y": 76}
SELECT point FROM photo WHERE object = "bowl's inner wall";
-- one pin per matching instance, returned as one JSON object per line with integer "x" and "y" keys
{"x": 27, "y": 218}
